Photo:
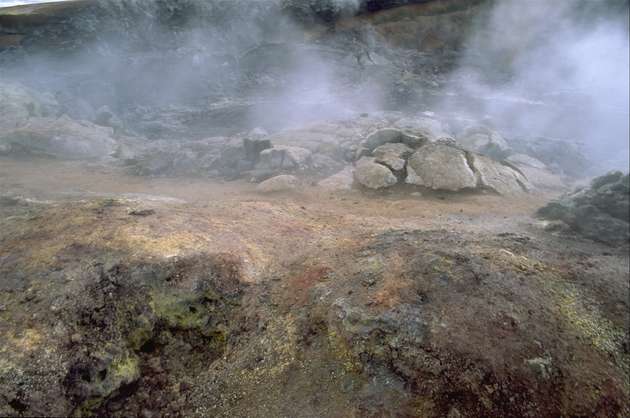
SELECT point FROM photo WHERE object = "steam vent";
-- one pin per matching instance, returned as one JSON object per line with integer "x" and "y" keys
{"x": 314, "y": 208}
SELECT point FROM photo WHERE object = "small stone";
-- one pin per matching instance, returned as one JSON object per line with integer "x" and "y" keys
{"x": 142, "y": 212}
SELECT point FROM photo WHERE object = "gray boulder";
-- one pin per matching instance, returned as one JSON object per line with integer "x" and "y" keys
{"x": 392, "y": 155}
{"x": 536, "y": 172}
{"x": 424, "y": 127}
{"x": 498, "y": 177}
{"x": 484, "y": 141}
{"x": 284, "y": 158}
{"x": 560, "y": 156}
{"x": 600, "y": 212}
{"x": 440, "y": 167}
{"x": 342, "y": 180}
{"x": 61, "y": 138}
{"x": 372, "y": 175}
{"x": 391, "y": 136}
{"x": 280, "y": 183}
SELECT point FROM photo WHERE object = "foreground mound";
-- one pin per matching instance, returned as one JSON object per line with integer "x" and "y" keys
{"x": 278, "y": 308}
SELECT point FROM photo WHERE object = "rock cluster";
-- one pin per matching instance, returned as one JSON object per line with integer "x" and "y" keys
{"x": 396, "y": 156}
{"x": 600, "y": 212}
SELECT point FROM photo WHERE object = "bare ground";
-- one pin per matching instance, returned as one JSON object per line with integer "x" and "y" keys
{"x": 128, "y": 296}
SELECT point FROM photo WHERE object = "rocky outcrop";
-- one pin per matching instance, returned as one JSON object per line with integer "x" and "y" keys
{"x": 600, "y": 212}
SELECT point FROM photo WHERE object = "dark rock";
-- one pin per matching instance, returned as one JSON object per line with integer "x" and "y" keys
{"x": 601, "y": 212}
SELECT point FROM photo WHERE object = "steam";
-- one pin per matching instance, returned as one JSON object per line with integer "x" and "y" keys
{"x": 145, "y": 54}
{"x": 551, "y": 69}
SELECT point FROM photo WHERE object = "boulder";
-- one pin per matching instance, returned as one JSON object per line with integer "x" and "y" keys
{"x": 253, "y": 145}
{"x": 524, "y": 160}
{"x": 484, "y": 141}
{"x": 536, "y": 172}
{"x": 382, "y": 137}
{"x": 560, "y": 156}
{"x": 62, "y": 138}
{"x": 426, "y": 128}
{"x": 440, "y": 167}
{"x": 391, "y": 136}
{"x": 342, "y": 180}
{"x": 373, "y": 175}
{"x": 282, "y": 183}
{"x": 392, "y": 155}
{"x": 498, "y": 177}
{"x": 600, "y": 212}
{"x": 284, "y": 158}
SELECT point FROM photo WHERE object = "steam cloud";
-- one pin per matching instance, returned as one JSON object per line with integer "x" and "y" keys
{"x": 551, "y": 69}
{"x": 545, "y": 68}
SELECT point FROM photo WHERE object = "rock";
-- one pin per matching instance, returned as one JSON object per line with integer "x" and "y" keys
{"x": 105, "y": 117}
{"x": 596, "y": 224}
{"x": 342, "y": 180}
{"x": 484, "y": 141}
{"x": 425, "y": 128}
{"x": 382, "y": 137}
{"x": 142, "y": 212}
{"x": 561, "y": 157}
{"x": 284, "y": 158}
{"x": 372, "y": 175}
{"x": 325, "y": 165}
{"x": 522, "y": 160}
{"x": 601, "y": 212}
{"x": 440, "y": 167}
{"x": 390, "y": 136}
{"x": 536, "y": 172}
{"x": 62, "y": 138}
{"x": 498, "y": 177}
{"x": 253, "y": 146}
{"x": 219, "y": 155}
{"x": 392, "y": 155}
{"x": 542, "y": 367}
{"x": 18, "y": 104}
{"x": 282, "y": 183}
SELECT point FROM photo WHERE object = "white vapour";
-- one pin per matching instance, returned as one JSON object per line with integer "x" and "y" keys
{"x": 564, "y": 71}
